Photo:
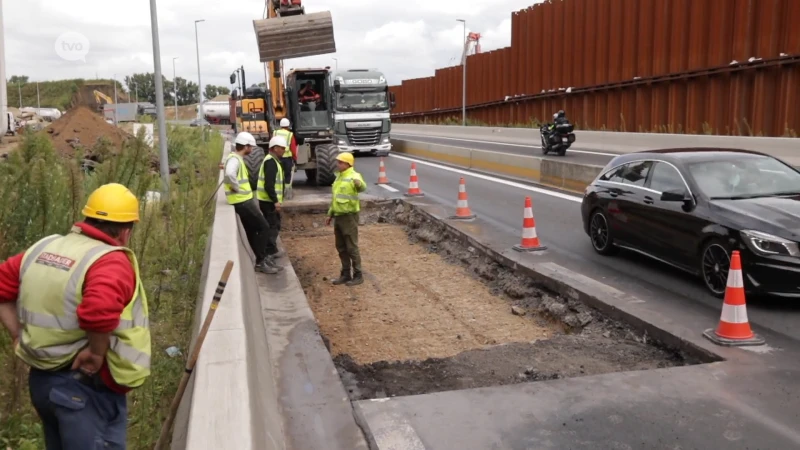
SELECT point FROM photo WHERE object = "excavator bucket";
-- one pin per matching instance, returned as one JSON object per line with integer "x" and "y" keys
{"x": 295, "y": 36}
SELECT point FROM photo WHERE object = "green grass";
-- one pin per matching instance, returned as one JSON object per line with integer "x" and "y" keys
{"x": 41, "y": 194}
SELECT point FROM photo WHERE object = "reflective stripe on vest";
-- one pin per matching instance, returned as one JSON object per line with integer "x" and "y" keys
{"x": 48, "y": 304}
{"x": 261, "y": 193}
{"x": 245, "y": 191}
{"x": 286, "y": 134}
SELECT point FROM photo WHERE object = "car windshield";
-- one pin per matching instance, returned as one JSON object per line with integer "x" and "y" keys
{"x": 746, "y": 176}
{"x": 362, "y": 101}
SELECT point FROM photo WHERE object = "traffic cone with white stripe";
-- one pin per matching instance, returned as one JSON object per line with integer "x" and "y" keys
{"x": 382, "y": 178}
{"x": 734, "y": 327}
{"x": 462, "y": 208}
{"x": 413, "y": 183}
{"x": 530, "y": 240}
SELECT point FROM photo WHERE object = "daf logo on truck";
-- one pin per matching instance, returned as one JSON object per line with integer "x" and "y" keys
{"x": 361, "y": 81}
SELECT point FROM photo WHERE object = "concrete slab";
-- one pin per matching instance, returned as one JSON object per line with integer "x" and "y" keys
{"x": 699, "y": 407}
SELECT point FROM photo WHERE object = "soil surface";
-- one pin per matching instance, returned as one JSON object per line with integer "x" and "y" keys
{"x": 413, "y": 305}
{"x": 81, "y": 126}
{"x": 436, "y": 314}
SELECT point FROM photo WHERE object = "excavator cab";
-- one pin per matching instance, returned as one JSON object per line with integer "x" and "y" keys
{"x": 286, "y": 8}
{"x": 307, "y": 97}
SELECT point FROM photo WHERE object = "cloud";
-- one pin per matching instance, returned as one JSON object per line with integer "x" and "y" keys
{"x": 407, "y": 39}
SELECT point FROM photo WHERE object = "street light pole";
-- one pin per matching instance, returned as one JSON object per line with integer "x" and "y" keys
{"x": 115, "y": 99}
{"x": 175, "y": 86}
{"x": 199, "y": 80}
{"x": 464, "y": 78}
{"x": 337, "y": 63}
{"x": 162, "y": 122}
{"x": 19, "y": 87}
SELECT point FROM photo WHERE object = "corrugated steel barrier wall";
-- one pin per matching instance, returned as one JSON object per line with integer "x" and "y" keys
{"x": 632, "y": 65}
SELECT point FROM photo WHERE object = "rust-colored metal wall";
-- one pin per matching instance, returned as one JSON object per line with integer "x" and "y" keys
{"x": 722, "y": 66}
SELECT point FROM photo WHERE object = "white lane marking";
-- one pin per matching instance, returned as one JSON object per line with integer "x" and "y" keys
{"x": 494, "y": 179}
{"x": 388, "y": 188}
{"x": 501, "y": 143}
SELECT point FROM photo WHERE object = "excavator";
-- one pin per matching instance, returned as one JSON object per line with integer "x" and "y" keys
{"x": 285, "y": 32}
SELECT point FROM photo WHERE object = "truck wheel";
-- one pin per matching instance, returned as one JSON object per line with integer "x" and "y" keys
{"x": 326, "y": 164}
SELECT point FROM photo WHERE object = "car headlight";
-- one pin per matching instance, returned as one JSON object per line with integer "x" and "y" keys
{"x": 767, "y": 244}
{"x": 342, "y": 142}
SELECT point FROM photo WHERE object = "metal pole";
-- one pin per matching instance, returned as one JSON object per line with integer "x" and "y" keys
{"x": 199, "y": 80}
{"x": 337, "y": 63}
{"x": 19, "y": 86}
{"x": 4, "y": 124}
{"x": 464, "y": 77}
{"x": 162, "y": 123}
{"x": 115, "y": 99}
{"x": 38, "y": 103}
{"x": 175, "y": 86}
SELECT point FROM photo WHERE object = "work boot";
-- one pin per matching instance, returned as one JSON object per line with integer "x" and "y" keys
{"x": 270, "y": 261}
{"x": 278, "y": 254}
{"x": 263, "y": 267}
{"x": 343, "y": 278}
{"x": 358, "y": 278}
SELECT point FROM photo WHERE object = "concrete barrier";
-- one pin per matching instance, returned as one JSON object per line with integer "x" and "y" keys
{"x": 560, "y": 174}
{"x": 614, "y": 142}
{"x": 232, "y": 399}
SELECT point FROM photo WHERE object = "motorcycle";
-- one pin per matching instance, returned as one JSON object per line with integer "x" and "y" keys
{"x": 557, "y": 140}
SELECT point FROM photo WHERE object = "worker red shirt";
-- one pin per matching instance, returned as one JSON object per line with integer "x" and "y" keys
{"x": 107, "y": 289}
{"x": 293, "y": 147}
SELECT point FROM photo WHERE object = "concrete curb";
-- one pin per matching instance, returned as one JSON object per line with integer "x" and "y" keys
{"x": 563, "y": 175}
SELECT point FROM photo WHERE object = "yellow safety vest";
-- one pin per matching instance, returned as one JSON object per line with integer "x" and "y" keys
{"x": 286, "y": 134}
{"x": 261, "y": 193}
{"x": 51, "y": 289}
{"x": 345, "y": 193}
{"x": 245, "y": 191}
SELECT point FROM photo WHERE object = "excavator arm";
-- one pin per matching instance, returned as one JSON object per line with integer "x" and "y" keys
{"x": 288, "y": 32}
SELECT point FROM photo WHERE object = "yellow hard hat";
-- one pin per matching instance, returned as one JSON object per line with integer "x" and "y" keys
{"x": 346, "y": 158}
{"x": 113, "y": 203}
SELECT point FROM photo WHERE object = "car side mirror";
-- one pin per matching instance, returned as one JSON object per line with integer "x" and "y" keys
{"x": 233, "y": 78}
{"x": 676, "y": 195}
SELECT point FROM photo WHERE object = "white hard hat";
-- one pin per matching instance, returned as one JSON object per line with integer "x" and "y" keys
{"x": 555, "y": 116}
{"x": 285, "y": 122}
{"x": 245, "y": 138}
{"x": 277, "y": 141}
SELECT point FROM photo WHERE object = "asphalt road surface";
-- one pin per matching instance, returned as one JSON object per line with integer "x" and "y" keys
{"x": 574, "y": 154}
{"x": 559, "y": 226}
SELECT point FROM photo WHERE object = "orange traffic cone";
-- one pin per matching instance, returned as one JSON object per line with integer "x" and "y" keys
{"x": 530, "y": 241}
{"x": 382, "y": 179}
{"x": 734, "y": 328}
{"x": 462, "y": 208}
{"x": 413, "y": 183}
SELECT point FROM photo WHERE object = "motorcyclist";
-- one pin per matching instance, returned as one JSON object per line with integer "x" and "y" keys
{"x": 559, "y": 118}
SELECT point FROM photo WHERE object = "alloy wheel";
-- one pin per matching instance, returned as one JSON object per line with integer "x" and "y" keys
{"x": 598, "y": 230}
{"x": 716, "y": 263}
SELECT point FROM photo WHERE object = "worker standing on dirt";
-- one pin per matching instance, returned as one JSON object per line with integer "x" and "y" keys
{"x": 344, "y": 210}
{"x": 271, "y": 186}
{"x": 289, "y": 157}
{"x": 77, "y": 313}
{"x": 239, "y": 193}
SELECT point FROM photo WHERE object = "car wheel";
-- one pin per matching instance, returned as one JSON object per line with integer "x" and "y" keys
{"x": 715, "y": 261}
{"x": 600, "y": 234}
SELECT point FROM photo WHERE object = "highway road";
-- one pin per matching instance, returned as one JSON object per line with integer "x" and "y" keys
{"x": 574, "y": 155}
{"x": 558, "y": 223}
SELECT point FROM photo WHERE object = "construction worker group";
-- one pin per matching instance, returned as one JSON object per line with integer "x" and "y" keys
{"x": 262, "y": 222}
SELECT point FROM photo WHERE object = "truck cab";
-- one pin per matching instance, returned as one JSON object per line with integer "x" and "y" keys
{"x": 361, "y": 105}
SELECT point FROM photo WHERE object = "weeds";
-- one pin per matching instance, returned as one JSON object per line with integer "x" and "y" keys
{"x": 42, "y": 194}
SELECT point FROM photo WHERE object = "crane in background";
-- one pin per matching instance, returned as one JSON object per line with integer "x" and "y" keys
{"x": 472, "y": 46}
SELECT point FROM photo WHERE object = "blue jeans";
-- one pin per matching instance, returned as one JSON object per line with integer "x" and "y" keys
{"x": 76, "y": 416}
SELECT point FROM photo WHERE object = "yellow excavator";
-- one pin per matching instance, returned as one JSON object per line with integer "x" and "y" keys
{"x": 285, "y": 32}
{"x": 100, "y": 97}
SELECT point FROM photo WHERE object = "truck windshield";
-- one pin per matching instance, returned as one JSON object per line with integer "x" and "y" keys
{"x": 362, "y": 101}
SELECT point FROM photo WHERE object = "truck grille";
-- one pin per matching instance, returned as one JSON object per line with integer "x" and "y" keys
{"x": 364, "y": 137}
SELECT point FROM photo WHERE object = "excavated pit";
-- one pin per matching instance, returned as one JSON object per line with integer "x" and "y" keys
{"x": 435, "y": 314}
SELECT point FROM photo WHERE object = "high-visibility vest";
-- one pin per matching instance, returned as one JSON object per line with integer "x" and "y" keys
{"x": 245, "y": 191}
{"x": 261, "y": 192}
{"x": 286, "y": 134}
{"x": 51, "y": 289}
{"x": 345, "y": 193}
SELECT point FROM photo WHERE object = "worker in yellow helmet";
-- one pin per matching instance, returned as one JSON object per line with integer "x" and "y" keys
{"x": 77, "y": 313}
{"x": 344, "y": 210}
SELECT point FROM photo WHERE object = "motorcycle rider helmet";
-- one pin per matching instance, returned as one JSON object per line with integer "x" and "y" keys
{"x": 555, "y": 116}
{"x": 561, "y": 113}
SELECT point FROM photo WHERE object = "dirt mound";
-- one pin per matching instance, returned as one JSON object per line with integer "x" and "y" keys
{"x": 82, "y": 127}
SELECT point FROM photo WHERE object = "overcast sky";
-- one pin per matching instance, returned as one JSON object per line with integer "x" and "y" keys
{"x": 407, "y": 39}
